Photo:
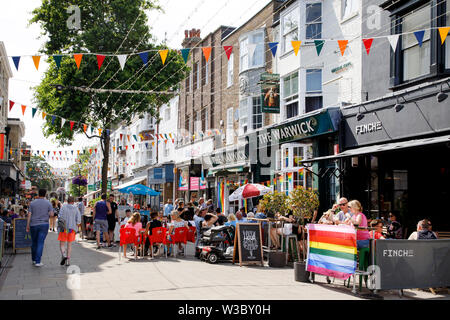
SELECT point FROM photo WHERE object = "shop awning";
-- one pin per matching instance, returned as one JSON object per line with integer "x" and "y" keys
{"x": 130, "y": 183}
{"x": 235, "y": 167}
{"x": 91, "y": 193}
{"x": 383, "y": 147}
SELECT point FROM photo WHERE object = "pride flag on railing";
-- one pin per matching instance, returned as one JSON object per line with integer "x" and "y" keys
{"x": 331, "y": 250}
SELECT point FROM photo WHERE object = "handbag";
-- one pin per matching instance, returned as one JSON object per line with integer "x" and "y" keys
{"x": 61, "y": 225}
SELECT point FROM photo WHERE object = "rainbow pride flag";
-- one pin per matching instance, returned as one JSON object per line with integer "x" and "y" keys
{"x": 331, "y": 250}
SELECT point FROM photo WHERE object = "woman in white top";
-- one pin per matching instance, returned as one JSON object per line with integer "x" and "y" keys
{"x": 176, "y": 222}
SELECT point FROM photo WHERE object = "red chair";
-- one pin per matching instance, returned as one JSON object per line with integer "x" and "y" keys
{"x": 180, "y": 236}
{"x": 158, "y": 237}
{"x": 128, "y": 236}
{"x": 141, "y": 240}
{"x": 191, "y": 234}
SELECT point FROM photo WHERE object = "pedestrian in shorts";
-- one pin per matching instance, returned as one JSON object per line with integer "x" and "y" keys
{"x": 100, "y": 213}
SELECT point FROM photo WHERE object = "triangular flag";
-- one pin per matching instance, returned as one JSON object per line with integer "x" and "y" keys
{"x": 367, "y": 44}
{"x": 43, "y": 115}
{"x": 100, "y": 59}
{"x": 62, "y": 122}
{"x": 11, "y": 104}
{"x": 57, "y": 59}
{"x": 206, "y": 52}
{"x": 419, "y": 36}
{"x": 90, "y": 151}
{"x": 128, "y": 137}
{"x": 273, "y": 47}
{"x": 53, "y": 120}
{"x": 33, "y": 112}
{"x": 84, "y": 127}
{"x": 114, "y": 148}
{"x": 319, "y": 46}
{"x": 78, "y": 58}
{"x": 393, "y": 40}
{"x": 185, "y": 54}
{"x": 122, "y": 59}
{"x": 296, "y": 46}
{"x": 99, "y": 132}
{"x": 60, "y": 153}
{"x": 144, "y": 57}
{"x": 132, "y": 146}
{"x": 121, "y": 136}
{"x": 251, "y": 49}
{"x": 78, "y": 152}
{"x": 92, "y": 129}
{"x": 95, "y": 150}
{"x": 228, "y": 51}
{"x": 342, "y": 45}
{"x": 71, "y": 125}
{"x": 36, "y": 60}
{"x": 443, "y": 33}
{"x": 163, "y": 55}
{"x": 126, "y": 147}
{"x": 134, "y": 136}
{"x": 23, "y": 109}
{"x": 16, "y": 62}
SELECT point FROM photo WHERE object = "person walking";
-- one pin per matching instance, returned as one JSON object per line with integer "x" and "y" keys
{"x": 112, "y": 218}
{"x": 68, "y": 222}
{"x": 55, "y": 215}
{"x": 168, "y": 208}
{"x": 37, "y": 224}
{"x": 100, "y": 212}
{"x": 81, "y": 207}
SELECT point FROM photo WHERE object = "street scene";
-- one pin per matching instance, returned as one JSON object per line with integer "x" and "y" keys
{"x": 273, "y": 150}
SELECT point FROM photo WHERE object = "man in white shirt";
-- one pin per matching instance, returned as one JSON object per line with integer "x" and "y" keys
{"x": 344, "y": 214}
{"x": 423, "y": 231}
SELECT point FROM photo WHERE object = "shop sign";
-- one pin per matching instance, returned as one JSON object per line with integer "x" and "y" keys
{"x": 341, "y": 68}
{"x": 183, "y": 183}
{"x": 270, "y": 92}
{"x": 91, "y": 187}
{"x": 158, "y": 173}
{"x": 369, "y": 127}
{"x": 195, "y": 183}
{"x": 26, "y": 155}
{"x": 229, "y": 157}
{"x": 299, "y": 129}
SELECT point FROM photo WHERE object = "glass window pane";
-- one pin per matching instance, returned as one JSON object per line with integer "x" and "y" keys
{"x": 314, "y": 80}
{"x": 292, "y": 110}
{"x": 313, "y": 12}
{"x": 313, "y": 103}
{"x": 294, "y": 83}
{"x": 314, "y": 31}
{"x": 286, "y": 87}
{"x": 416, "y": 61}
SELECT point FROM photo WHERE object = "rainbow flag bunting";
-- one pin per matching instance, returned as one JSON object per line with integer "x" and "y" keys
{"x": 290, "y": 176}
{"x": 331, "y": 250}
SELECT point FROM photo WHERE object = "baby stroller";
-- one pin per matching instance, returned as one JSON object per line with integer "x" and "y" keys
{"x": 217, "y": 244}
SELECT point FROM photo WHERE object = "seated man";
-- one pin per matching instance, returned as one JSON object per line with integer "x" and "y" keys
{"x": 154, "y": 223}
{"x": 423, "y": 231}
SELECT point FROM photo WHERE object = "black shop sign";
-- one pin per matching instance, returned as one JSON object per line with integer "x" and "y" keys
{"x": 248, "y": 244}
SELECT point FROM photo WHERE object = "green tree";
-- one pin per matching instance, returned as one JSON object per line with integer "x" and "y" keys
{"x": 303, "y": 203}
{"x": 274, "y": 202}
{"x": 79, "y": 168}
{"x": 106, "y": 26}
{"x": 39, "y": 172}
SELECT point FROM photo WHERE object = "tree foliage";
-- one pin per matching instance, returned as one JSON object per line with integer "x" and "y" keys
{"x": 274, "y": 202}
{"x": 39, "y": 172}
{"x": 79, "y": 168}
{"x": 303, "y": 202}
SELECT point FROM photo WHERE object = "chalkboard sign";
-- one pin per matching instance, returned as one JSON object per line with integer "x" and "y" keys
{"x": 248, "y": 244}
{"x": 21, "y": 238}
{"x": 2, "y": 239}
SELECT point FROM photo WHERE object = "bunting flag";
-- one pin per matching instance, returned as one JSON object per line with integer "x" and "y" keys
{"x": 393, "y": 40}
{"x": 114, "y": 149}
{"x": 100, "y": 132}
{"x": 132, "y": 146}
{"x": 126, "y": 147}
{"x": 43, "y": 115}
{"x": 23, "y": 109}
{"x": 146, "y": 145}
{"x": 84, "y": 127}
{"x": 185, "y": 54}
{"x": 135, "y": 137}
{"x": 273, "y": 47}
{"x": 419, "y": 36}
{"x": 11, "y": 104}
{"x": 121, "y": 135}
{"x": 36, "y": 60}
{"x": 92, "y": 130}
{"x": 443, "y": 32}
{"x": 332, "y": 250}
{"x": 71, "y": 126}
{"x": 53, "y": 120}
{"x": 100, "y": 59}
{"x": 90, "y": 151}
{"x": 62, "y": 122}
{"x": 163, "y": 55}
{"x": 57, "y": 58}
{"x": 290, "y": 176}
{"x": 228, "y": 51}
{"x": 206, "y": 52}
{"x": 144, "y": 57}
{"x": 78, "y": 58}
{"x": 296, "y": 46}
{"x": 153, "y": 143}
{"x": 368, "y": 44}
{"x": 33, "y": 112}
{"x": 78, "y": 152}
{"x": 342, "y": 45}
{"x": 16, "y": 61}
{"x": 319, "y": 46}
{"x": 122, "y": 60}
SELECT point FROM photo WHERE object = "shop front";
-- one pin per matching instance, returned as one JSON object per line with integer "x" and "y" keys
{"x": 396, "y": 156}
{"x": 160, "y": 178}
{"x": 9, "y": 174}
{"x": 280, "y": 154}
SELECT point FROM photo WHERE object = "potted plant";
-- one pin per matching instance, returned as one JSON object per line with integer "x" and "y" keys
{"x": 275, "y": 202}
{"x": 304, "y": 202}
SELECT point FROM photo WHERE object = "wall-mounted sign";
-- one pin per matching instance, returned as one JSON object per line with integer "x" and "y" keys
{"x": 270, "y": 96}
{"x": 195, "y": 183}
{"x": 229, "y": 157}
{"x": 26, "y": 155}
{"x": 184, "y": 176}
{"x": 341, "y": 68}
{"x": 369, "y": 127}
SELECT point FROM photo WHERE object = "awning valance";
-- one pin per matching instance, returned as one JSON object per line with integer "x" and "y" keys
{"x": 130, "y": 183}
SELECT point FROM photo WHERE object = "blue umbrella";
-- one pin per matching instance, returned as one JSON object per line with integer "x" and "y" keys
{"x": 140, "y": 189}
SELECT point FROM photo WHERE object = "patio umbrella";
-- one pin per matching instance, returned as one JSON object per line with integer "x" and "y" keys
{"x": 249, "y": 191}
{"x": 140, "y": 189}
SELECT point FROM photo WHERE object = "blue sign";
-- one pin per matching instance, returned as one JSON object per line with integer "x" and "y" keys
{"x": 145, "y": 213}
{"x": 158, "y": 173}
{"x": 22, "y": 238}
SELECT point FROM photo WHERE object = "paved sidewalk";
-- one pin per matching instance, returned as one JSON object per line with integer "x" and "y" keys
{"x": 102, "y": 276}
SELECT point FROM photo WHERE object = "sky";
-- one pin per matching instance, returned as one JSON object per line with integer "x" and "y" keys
{"x": 20, "y": 38}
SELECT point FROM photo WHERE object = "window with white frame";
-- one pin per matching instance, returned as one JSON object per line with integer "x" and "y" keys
{"x": 255, "y": 39}
{"x": 167, "y": 114}
{"x": 150, "y": 154}
{"x": 313, "y": 98}
{"x": 349, "y": 8}
{"x": 278, "y": 160}
{"x": 206, "y": 119}
{"x": 230, "y": 131}
{"x": 243, "y": 116}
{"x": 416, "y": 59}
{"x": 290, "y": 95}
{"x": 314, "y": 20}
{"x": 290, "y": 23}
{"x": 257, "y": 114}
{"x": 230, "y": 70}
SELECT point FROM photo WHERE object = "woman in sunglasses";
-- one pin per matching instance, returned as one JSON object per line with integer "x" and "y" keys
{"x": 394, "y": 230}
{"x": 359, "y": 220}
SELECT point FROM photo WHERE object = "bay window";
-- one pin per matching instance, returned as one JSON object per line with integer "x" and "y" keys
{"x": 313, "y": 99}
{"x": 251, "y": 59}
{"x": 243, "y": 116}
{"x": 289, "y": 25}
{"x": 313, "y": 21}
{"x": 230, "y": 70}
{"x": 290, "y": 95}
{"x": 349, "y": 8}
{"x": 257, "y": 115}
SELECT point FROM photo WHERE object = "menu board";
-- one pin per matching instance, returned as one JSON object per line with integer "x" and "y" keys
{"x": 248, "y": 244}
{"x": 21, "y": 238}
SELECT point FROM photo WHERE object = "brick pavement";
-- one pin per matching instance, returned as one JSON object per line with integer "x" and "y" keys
{"x": 103, "y": 276}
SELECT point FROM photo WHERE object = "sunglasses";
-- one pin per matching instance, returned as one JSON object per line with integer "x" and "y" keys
{"x": 343, "y": 204}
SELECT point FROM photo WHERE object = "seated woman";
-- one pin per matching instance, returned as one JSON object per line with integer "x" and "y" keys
{"x": 378, "y": 232}
{"x": 209, "y": 221}
{"x": 278, "y": 231}
{"x": 327, "y": 218}
{"x": 135, "y": 223}
{"x": 231, "y": 220}
{"x": 176, "y": 222}
{"x": 359, "y": 220}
